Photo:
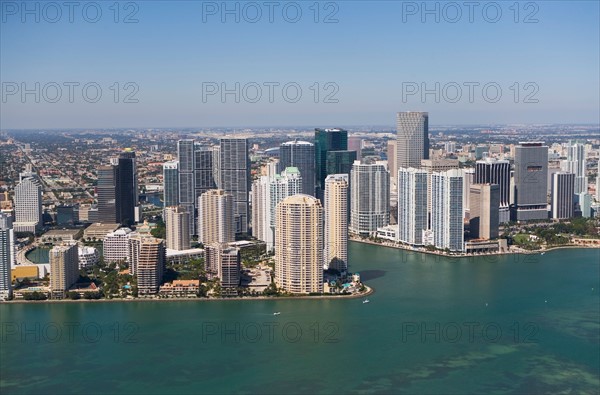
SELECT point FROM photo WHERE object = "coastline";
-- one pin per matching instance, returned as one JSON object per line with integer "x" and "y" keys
{"x": 367, "y": 292}
{"x": 465, "y": 255}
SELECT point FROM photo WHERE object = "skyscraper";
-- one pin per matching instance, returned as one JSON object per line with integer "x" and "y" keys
{"x": 336, "y": 222}
{"x": 187, "y": 194}
{"x": 177, "y": 228}
{"x": 28, "y": 205}
{"x": 327, "y": 140}
{"x": 531, "y": 181}
{"x": 412, "y": 205}
{"x": 494, "y": 171}
{"x": 127, "y": 188}
{"x": 171, "y": 183}
{"x": 203, "y": 171}
{"x": 484, "y": 211}
{"x": 223, "y": 261}
{"x": 435, "y": 166}
{"x": 109, "y": 206}
{"x": 412, "y": 138}
{"x": 235, "y": 178}
{"x": 355, "y": 144}
{"x": 576, "y": 164}
{"x": 149, "y": 263}
{"x": 300, "y": 154}
{"x": 563, "y": 185}
{"x": 216, "y": 217}
{"x": 340, "y": 162}
{"x": 447, "y": 210}
{"x": 7, "y": 250}
{"x": 261, "y": 221}
{"x": 370, "y": 197}
{"x": 115, "y": 246}
{"x": 64, "y": 269}
{"x": 392, "y": 158}
{"x": 299, "y": 245}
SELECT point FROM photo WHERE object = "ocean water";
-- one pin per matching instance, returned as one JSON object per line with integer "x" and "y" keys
{"x": 502, "y": 324}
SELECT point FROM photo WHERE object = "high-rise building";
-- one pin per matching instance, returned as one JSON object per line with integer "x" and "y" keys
{"x": 412, "y": 205}
{"x": 435, "y": 166}
{"x": 300, "y": 154}
{"x": 7, "y": 251}
{"x": 177, "y": 228}
{"x": 576, "y": 164}
{"x": 447, "y": 210}
{"x": 369, "y": 197}
{"x": 171, "y": 183}
{"x": 261, "y": 208}
{"x": 484, "y": 211}
{"x": 187, "y": 194}
{"x": 299, "y": 245}
{"x": 494, "y": 171}
{"x": 216, "y": 217}
{"x": 531, "y": 181}
{"x": 148, "y": 258}
{"x": 327, "y": 140}
{"x": 109, "y": 206}
{"x": 204, "y": 179}
{"x": 127, "y": 187}
{"x": 563, "y": 185}
{"x": 340, "y": 162}
{"x": 391, "y": 158}
{"x": 115, "y": 246}
{"x": 235, "y": 178}
{"x": 224, "y": 261}
{"x": 585, "y": 204}
{"x": 336, "y": 222}
{"x": 412, "y": 138}
{"x": 64, "y": 269}
{"x": 598, "y": 183}
{"x": 355, "y": 143}
{"x": 28, "y": 205}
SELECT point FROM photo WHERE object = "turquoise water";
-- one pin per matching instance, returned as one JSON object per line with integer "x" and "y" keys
{"x": 535, "y": 320}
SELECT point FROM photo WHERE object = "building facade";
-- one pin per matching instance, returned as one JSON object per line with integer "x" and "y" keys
{"x": 327, "y": 140}
{"x": 412, "y": 205}
{"x": 216, "y": 217}
{"x": 484, "y": 218}
{"x": 177, "y": 222}
{"x": 494, "y": 171}
{"x": 235, "y": 179}
{"x": 412, "y": 143}
{"x": 563, "y": 185}
{"x": 171, "y": 183}
{"x": 299, "y": 245}
{"x": 115, "y": 246}
{"x": 64, "y": 269}
{"x": 447, "y": 210}
{"x": 28, "y": 205}
{"x": 336, "y": 223}
{"x": 530, "y": 182}
{"x": 370, "y": 198}
{"x": 301, "y": 155}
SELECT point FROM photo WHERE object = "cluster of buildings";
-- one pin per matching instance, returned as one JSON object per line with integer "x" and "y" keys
{"x": 307, "y": 200}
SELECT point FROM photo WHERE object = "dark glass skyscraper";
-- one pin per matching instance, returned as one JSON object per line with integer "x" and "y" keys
{"x": 300, "y": 154}
{"x": 109, "y": 208}
{"x": 185, "y": 154}
{"x": 327, "y": 140}
{"x": 127, "y": 190}
{"x": 493, "y": 171}
{"x": 203, "y": 171}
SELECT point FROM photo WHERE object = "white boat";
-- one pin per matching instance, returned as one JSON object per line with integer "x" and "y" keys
{"x": 366, "y": 301}
{"x": 542, "y": 253}
{"x": 276, "y": 313}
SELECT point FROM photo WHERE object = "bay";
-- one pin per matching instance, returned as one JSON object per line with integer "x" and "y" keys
{"x": 435, "y": 325}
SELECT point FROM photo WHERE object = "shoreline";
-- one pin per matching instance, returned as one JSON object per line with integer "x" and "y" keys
{"x": 367, "y": 292}
{"x": 465, "y": 255}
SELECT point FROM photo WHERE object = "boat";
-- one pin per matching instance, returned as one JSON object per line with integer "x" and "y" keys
{"x": 277, "y": 313}
{"x": 366, "y": 301}
{"x": 542, "y": 253}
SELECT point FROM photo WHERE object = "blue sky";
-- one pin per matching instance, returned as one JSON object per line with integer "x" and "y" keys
{"x": 178, "y": 50}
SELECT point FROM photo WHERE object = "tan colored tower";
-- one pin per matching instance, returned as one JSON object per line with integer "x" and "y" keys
{"x": 336, "y": 222}
{"x": 177, "y": 221}
{"x": 215, "y": 217}
{"x": 64, "y": 269}
{"x": 299, "y": 245}
{"x": 149, "y": 264}
{"x": 224, "y": 261}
